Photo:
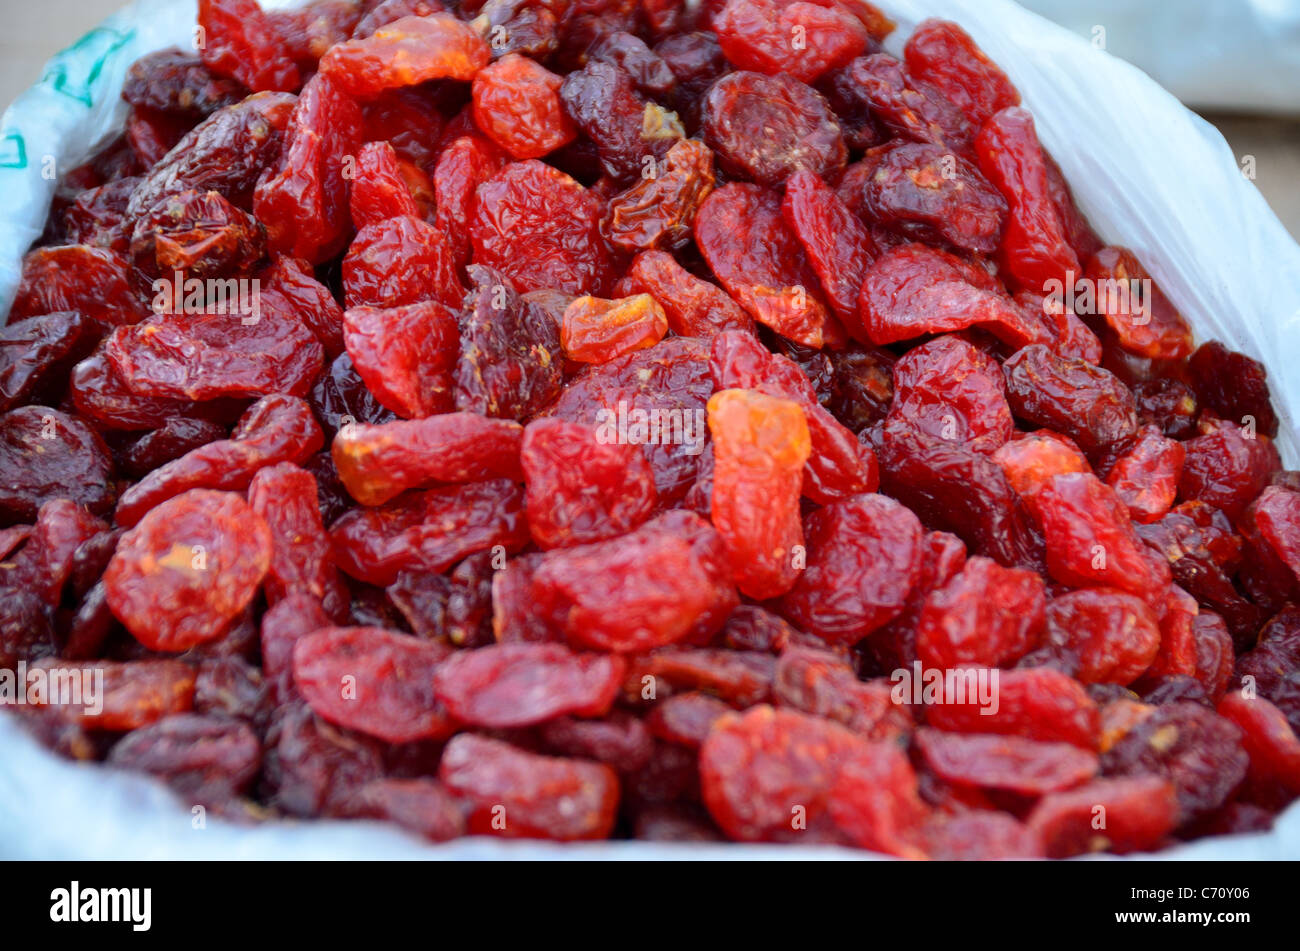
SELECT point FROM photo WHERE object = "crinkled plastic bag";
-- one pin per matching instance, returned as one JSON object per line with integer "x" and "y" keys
{"x": 1149, "y": 175}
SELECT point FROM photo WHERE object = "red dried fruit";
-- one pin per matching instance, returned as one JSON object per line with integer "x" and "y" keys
{"x": 429, "y": 530}
{"x": 94, "y": 282}
{"x": 760, "y": 447}
{"x": 800, "y": 132}
{"x": 757, "y": 34}
{"x": 1090, "y": 540}
{"x": 312, "y": 767}
{"x": 515, "y": 794}
{"x": 1273, "y": 776}
{"x": 188, "y": 356}
{"x": 1227, "y": 467}
{"x": 627, "y": 130}
{"x": 581, "y": 489}
{"x": 1214, "y": 653}
{"x": 1108, "y": 815}
{"x": 658, "y": 212}
{"x": 1038, "y": 703}
{"x": 293, "y": 617}
{"x": 134, "y": 693}
{"x": 1012, "y": 763}
{"x": 1232, "y": 385}
{"x": 286, "y": 497}
{"x": 238, "y": 40}
{"x": 1194, "y": 748}
{"x": 186, "y": 572}
{"x": 207, "y": 759}
{"x": 875, "y": 801}
{"x": 664, "y": 582}
{"x": 926, "y": 192}
{"x": 47, "y": 455}
{"x": 516, "y": 685}
{"x": 620, "y": 741}
{"x": 767, "y": 775}
{"x": 290, "y": 286}
{"x": 986, "y": 615}
{"x": 422, "y": 806}
{"x": 175, "y": 81}
{"x": 379, "y": 191}
{"x": 541, "y": 229}
{"x": 401, "y": 261}
{"x": 1114, "y": 636}
{"x": 653, "y": 398}
{"x": 595, "y": 330}
{"x": 823, "y": 684}
{"x": 1145, "y": 476}
{"x": 685, "y": 718}
{"x": 741, "y": 678}
{"x": 517, "y": 105}
{"x": 195, "y": 235}
{"x": 372, "y": 680}
{"x": 311, "y": 29}
{"x": 530, "y": 27}
{"x": 979, "y": 836}
{"x": 404, "y": 355}
{"x": 694, "y": 307}
{"x": 464, "y": 164}
{"x": 378, "y": 463}
{"x": 942, "y": 54}
{"x": 913, "y": 290}
{"x": 275, "y": 429}
{"x": 1276, "y": 514}
{"x": 864, "y": 555}
{"x": 1144, "y": 321}
{"x": 913, "y": 110}
{"x": 1071, "y": 396}
{"x": 406, "y": 52}
{"x": 951, "y": 390}
{"x": 45, "y": 563}
{"x": 37, "y": 354}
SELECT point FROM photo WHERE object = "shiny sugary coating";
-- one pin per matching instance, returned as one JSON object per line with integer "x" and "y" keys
{"x": 630, "y": 418}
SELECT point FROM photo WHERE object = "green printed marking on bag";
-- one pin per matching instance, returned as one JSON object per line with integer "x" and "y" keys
{"x": 73, "y": 72}
{"x": 13, "y": 151}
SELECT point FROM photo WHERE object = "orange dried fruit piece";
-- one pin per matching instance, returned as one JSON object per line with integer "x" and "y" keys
{"x": 407, "y": 52}
{"x": 595, "y": 330}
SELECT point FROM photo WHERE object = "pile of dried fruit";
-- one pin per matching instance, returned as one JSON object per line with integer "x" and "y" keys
{"x": 629, "y": 402}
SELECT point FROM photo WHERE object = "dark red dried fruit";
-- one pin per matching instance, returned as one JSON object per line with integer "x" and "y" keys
{"x": 1070, "y": 396}
{"x": 46, "y": 455}
{"x": 206, "y": 759}
{"x": 37, "y": 354}
{"x": 659, "y": 211}
{"x": 951, "y": 390}
{"x": 1108, "y": 815}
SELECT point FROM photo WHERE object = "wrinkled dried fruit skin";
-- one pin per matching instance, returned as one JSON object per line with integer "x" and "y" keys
{"x": 464, "y": 164}
{"x": 517, "y": 105}
{"x": 46, "y": 455}
{"x": 760, "y": 447}
{"x": 225, "y": 153}
{"x": 97, "y": 216}
{"x": 926, "y": 192}
{"x": 604, "y": 104}
{"x": 985, "y": 616}
{"x": 757, "y": 767}
{"x": 799, "y": 130}
{"x": 755, "y": 34}
{"x": 196, "y": 235}
{"x": 38, "y": 353}
{"x": 1273, "y": 776}
{"x": 909, "y": 108}
{"x": 207, "y": 759}
{"x": 422, "y": 806}
{"x": 1227, "y": 468}
{"x": 185, "y": 356}
{"x": 864, "y": 555}
{"x": 188, "y": 569}
{"x": 1038, "y": 703}
{"x": 875, "y": 801}
{"x": 240, "y": 42}
{"x": 671, "y": 380}
{"x": 696, "y": 60}
{"x": 595, "y": 330}
{"x": 1088, "y": 404}
{"x": 511, "y": 362}
{"x": 1090, "y": 540}
{"x": 941, "y": 53}
{"x": 685, "y": 718}
{"x": 377, "y": 463}
{"x": 406, "y": 52}
{"x": 1276, "y": 514}
{"x": 670, "y": 578}
{"x": 1198, "y": 751}
{"x": 741, "y": 678}
{"x": 312, "y": 767}
{"x": 286, "y": 497}
{"x": 429, "y": 530}
{"x": 45, "y": 564}
{"x": 951, "y": 390}
{"x": 914, "y": 290}
{"x": 821, "y": 683}
{"x": 541, "y": 229}
{"x": 275, "y": 429}
{"x": 760, "y": 262}
{"x": 175, "y": 81}
{"x": 405, "y": 355}
{"x": 95, "y": 282}
{"x": 581, "y": 489}
{"x": 372, "y": 680}
{"x": 1114, "y": 635}
{"x": 1146, "y": 323}
{"x": 537, "y": 796}
{"x": 401, "y": 261}
{"x": 1140, "y": 813}
{"x": 1146, "y": 476}
{"x": 1027, "y": 767}
{"x": 657, "y": 213}
{"x": 515, "y": 685}
{"x": 694, "y": 307}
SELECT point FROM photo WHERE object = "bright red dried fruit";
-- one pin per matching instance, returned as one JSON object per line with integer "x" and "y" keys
{"x": 515, "y": 794}
{"x": 401, "y": 261}
{"x": 1274, "y": 772}
{"x": 951, "y": 390}
{"x": 1108, "y": 815}
{"x": 517, "y": 105}
{"x": 1114, "y": 635}
{"x": 595, "y": 330}
{"x": 942, "y": 54}
{"x": 516, "y": 685}
{"x": 405, "y": 355}
{"x": 184, "y": 574}
{"x": 379, "y": 191}
{"x": 694, "y": 307}
{"x": 985, "y": 616}
{"x": 1012, "y": 763}
{"x": 1038, "y": 703}
{"x": 757, "y": 34}
{"x": 372, "y": 680}
{"x": 875, "y": 801}
{"x": 1144, "y": 321}
{"x": 406, "y": 52}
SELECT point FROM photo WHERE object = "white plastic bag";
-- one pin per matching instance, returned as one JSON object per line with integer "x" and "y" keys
{"x": 1149, "y": 175}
